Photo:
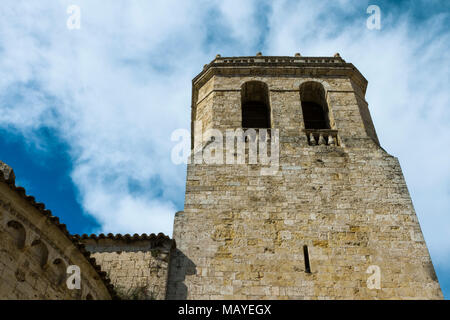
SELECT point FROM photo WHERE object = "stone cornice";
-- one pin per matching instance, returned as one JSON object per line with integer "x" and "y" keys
{"x": 280, "y": 66}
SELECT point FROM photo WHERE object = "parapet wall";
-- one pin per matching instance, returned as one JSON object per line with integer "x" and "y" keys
{"x": 137, "y": 265}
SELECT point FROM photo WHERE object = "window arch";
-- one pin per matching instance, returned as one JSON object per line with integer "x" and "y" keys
{"x": 57, "y": 271}
{"x": 17, "y": 232}
{"x": 314, "y": 105}
{"x": 39, "y": 252}
{"x": 255, "y": 105}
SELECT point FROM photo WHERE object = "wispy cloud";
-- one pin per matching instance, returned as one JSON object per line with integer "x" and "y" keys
{"x": 115, "y": 89}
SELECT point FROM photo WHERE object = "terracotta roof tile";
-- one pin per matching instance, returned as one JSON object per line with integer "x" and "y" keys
{"x": 158, "y": 238}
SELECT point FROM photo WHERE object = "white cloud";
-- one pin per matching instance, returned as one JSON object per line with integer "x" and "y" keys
{"x": 115, "y": 90}
{"x": 241, "y": 20}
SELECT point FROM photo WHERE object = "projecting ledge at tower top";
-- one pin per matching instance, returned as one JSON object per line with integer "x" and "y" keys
{"x": 336, "y": 211}
{"x": 281, "y": 66}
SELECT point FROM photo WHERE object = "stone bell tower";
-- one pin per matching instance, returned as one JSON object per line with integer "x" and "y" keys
{"x": 334, "y": 220}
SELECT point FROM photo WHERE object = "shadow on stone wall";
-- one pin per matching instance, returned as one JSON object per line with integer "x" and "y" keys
{"x": 179, "y": 267}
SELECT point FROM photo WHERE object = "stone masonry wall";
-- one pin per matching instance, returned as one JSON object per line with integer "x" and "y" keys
{"x": 137, "y": 268}
{"x": 35, "y": 254}
{"x": 242, "y": 235}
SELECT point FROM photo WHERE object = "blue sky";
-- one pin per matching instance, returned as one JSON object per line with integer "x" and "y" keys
{"x": 86, "y": 115}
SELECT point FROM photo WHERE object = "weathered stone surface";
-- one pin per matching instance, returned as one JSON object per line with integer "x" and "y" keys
{"x": 337, "y": 207}
{"x": 137, "y": 268}
{"x": 7, "y": 173}
{"x": 241, "y": 235}
{"x": 35, "y": 253}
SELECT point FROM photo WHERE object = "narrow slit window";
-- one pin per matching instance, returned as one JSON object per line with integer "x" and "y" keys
{"x": 306, "y": 255}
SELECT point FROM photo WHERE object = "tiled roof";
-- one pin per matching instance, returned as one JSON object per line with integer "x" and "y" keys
{"x": 7, "y": 176}
{"x": 160, "y": 237}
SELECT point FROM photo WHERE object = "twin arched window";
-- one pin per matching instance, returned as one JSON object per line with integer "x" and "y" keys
{"x": 256, "y": 107}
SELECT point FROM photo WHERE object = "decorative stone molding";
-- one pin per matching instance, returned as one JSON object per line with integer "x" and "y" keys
{"x": 326, "y": 137}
